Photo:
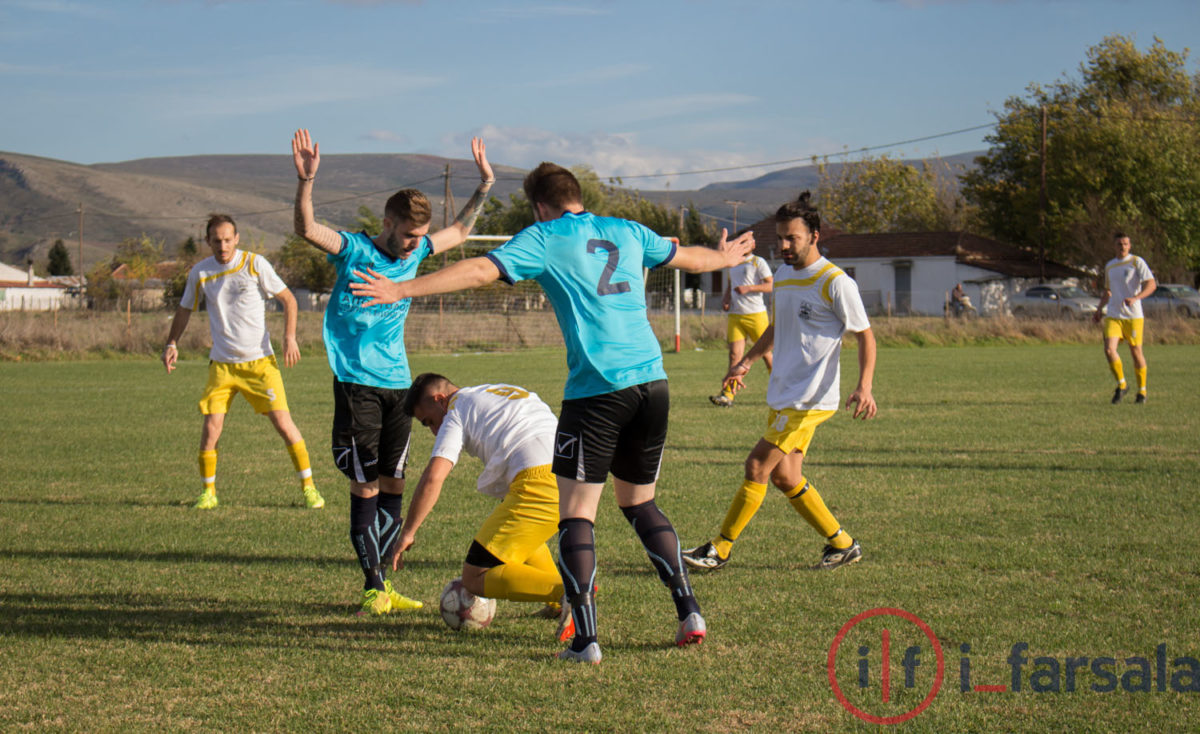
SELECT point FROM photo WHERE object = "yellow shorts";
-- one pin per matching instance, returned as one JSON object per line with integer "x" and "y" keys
{"x": 743, "y": 326}
{"x": 526, "y": 518}
{"x": 259, "y": 381}
{"x": 1128, "y": 329}
{"x": 792, "y": 430}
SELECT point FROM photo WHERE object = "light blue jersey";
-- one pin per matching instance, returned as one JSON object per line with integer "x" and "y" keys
{"x": 366, "y": 345}
{"x": 591, "y": 270}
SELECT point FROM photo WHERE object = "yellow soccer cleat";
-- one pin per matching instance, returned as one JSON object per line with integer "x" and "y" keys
{"x": 375, "y": 603}
{"x": 313, "y": 498}
{"x": 399, "y": 602}
{"x": 207, "y": 500}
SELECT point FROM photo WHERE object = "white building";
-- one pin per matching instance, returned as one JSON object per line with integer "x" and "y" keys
{"x": 21, "y": 290}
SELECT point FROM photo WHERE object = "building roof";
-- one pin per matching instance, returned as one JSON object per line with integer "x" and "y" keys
{"x": 967, "y": 249}
{"x": 11, "y": 277}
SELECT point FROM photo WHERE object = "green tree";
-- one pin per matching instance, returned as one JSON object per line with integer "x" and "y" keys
{"x": 187, "y": 255}
{"x": 368, "y": 222}
{"x": 301, "y": 265}
{"x": 887, "y": 195}
{"x": 1122, "y": 152}
{"x": 60, "y": 260}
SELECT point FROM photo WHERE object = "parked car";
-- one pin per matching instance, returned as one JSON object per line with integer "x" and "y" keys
{"x": 1054, "y": 300}
{"x": 1183, "y": 300}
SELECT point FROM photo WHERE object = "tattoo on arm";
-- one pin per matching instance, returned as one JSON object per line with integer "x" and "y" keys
{"x": 473, "y": 207}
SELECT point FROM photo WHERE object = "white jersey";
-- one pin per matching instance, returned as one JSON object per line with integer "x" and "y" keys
{"x": 814, "y": 307}
{"x": 1123, "y": 279}
{"x": 508, "y": 428}
{"x": 751, "y": 271}
{"x": 236, "y": 293}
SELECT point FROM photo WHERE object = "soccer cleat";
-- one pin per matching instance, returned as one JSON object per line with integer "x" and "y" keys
{"x": 1140, "y": 399}
{"x": 704, "y": 557}
{"x": 399, "y": 602}
{"x": 691, "y": 630}
{"x": 206, "y": 501}
{"x": 566, "y": 622}
{"x": 375, "y": 602}
{"x": 832, "y": 558}
{"x": 313, "y": 498}
{"x": 1120, "y": 393}
{"x": 590, "y": 654}
{"x": 721, "y": 400}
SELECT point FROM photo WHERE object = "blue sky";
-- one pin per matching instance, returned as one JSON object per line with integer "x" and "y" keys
{"x": 632, "y": 88}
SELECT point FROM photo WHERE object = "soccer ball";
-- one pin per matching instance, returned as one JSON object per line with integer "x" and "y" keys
{"x": 462, "y": 610}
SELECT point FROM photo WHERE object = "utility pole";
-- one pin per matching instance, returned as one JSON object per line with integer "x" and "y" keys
{"x": 81, "y": 243}
{"x": 735, "y": 205}
{"x": 1042, "y": 202}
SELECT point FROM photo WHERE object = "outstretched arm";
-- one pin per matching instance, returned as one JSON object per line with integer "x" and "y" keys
{"x": 861, "y": 398}
{"x": 178, "y": 324}
{"x": 462, "y": 275}
{"x": 457, "y": 232}
{"x": 698, "y": 259}
{"x": 307, "y": 156}
{"x": 735, "y": 378}
{"x": 424, "y": 497}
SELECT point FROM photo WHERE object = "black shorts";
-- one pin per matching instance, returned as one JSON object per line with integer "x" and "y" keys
{"x": 622, "y": 432}
{"x": 370, "y": 431}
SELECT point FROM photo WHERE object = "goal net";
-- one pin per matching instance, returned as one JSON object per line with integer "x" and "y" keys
{"x": 499, "y": 317}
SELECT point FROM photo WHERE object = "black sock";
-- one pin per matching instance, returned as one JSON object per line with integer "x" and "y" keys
{"x": 662, "y": 546}
{"x": 363, "y": 535}
{"x": 389, "y": 520}
{"x": 577, "y": 564}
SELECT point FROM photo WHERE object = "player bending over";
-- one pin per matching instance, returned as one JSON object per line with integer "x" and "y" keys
{"x": 365, "y": 345}
{"x": 615, "y": 406}
{"x": 235, "y": 284}
{"x": 511, "y": 430}
{"x": 815, "y": 304}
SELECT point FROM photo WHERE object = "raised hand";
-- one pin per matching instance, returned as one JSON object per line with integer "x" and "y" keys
{"x": 479, "y": 150}
{"x": 736, "y": 250}
{"x": 306, "y": 154}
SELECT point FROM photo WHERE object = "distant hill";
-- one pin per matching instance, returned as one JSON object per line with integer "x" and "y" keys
{"x": 169, "y": 199}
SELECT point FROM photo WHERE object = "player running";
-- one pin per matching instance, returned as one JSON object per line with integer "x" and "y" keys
{"x": 235, "y": 285}
{"x": 746, "y": 288}
{"x": 615, "y": 406}
{"x": 1127, "y": 280}
{"x": 366, "y": 353}
{"x": 815, "y": 304}
{"x": 511, "y": 430}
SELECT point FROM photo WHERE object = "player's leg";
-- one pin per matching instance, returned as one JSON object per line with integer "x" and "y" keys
{"x": 1112, "y": 335}
{"x": 1134, "y": 336}
{"x": 394, "y": 442}
{"x": 498, "y": 562}
{"x": 788, "y": 476}
{"x": 214, "y": 404}
{"x": 737, "y": 347}
{"x": 746, "y": 501}
{"x": 357, "y": 414}
{"x": 262, "y": 385}
{"x": 757, "y": 326}
{"x": 635, "y": 469}
{"x": 577, "y": 562}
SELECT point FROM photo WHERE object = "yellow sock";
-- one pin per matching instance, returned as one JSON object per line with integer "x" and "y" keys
{"x": 745, "y": 503}
{"x": 299, "y": 453}
{"x": 1118, "y": 372}
{"x": 208, "y": 470}
{"x": 522, "y": 582}
{"x": 542, "y": 560}
{"x": 1139, "y": 374}
{"x": 812, "y": 508}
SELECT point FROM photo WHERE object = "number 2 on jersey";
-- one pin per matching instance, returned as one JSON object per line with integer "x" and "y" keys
{"x": 606, "y": 286}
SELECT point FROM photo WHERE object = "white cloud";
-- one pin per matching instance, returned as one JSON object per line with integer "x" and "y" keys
{"x": 611, "y": 155}
{"x": 385, "y": 136}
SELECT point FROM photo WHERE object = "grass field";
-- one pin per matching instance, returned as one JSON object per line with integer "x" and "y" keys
{"x": 999, "y": 497}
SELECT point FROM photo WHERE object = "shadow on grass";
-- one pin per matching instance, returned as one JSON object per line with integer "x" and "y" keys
{"x": 186, "y": 557}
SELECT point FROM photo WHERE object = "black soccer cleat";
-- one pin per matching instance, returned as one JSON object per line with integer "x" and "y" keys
{"x": 1118, "y": 394}
{"x": 832, "y": 558}
{"x": 704, "y": 557}
{"x": 1140, "y": 399}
